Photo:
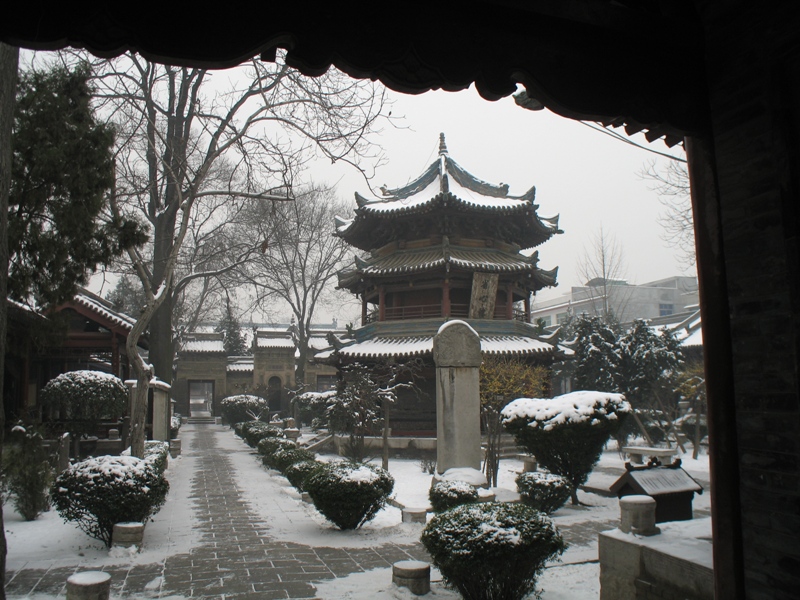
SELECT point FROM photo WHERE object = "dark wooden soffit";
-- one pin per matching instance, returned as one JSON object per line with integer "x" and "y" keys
{"x": 637, "y": 61}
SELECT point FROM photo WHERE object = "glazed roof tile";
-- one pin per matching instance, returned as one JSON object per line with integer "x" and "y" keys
{"x": 103, "y": 308}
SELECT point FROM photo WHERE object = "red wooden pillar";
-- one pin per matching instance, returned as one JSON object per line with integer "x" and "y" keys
{"x": 509, "y": 301}
{"x": 446, "y": 299}
{"x": 381, "y": 304}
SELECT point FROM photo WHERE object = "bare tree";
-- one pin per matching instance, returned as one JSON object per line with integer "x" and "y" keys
{"x": 188, "y": 155}
{"x": 300, "y": 258}
{"x": 602, "y": 268}
{"x": 671, "y": 183}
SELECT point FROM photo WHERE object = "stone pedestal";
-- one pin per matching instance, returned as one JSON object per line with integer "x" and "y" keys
{"x": 175, "y": 448}
{"x": 125, "y": 535}
{"x": 638, "y": 515}
{"x": 161, "y": 410}
{"x": 457, "y": 354}
{"x": 412, "y": 574}
{"x": 89, "y": 585}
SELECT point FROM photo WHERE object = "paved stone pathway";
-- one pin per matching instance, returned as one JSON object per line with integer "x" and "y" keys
{"x": 236, "y": 559}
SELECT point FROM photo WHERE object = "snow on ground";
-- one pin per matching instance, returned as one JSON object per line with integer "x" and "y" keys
{"x": 49, "y": 542}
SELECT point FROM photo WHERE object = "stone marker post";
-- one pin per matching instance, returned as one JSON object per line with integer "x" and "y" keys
{"x": 457, "y": 354}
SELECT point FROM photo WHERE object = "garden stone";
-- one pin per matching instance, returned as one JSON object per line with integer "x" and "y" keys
{"x": 414, "y": 515}
{"x": 89, "y": 585}
{"x": 412, "y": 574}
{"x": 457, "y": 354}
{"x": 175, "y": 448}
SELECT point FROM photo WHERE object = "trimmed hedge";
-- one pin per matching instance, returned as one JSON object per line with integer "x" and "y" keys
{"x": 545, "y": 492}
{"x": 255, "y": 431}
{"x": 270, "y": 445}
{"x": 98, "y": 492}
{"x": 492, "y": 551}
{"x": 349, "y": 494}
{"x": 298, "y": 472}
{"x": 244, "y": 407}
{"x": 449, "y": 494}
{"x": 282, "y": 458}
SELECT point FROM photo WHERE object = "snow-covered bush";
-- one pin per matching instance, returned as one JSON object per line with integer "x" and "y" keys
{"x": 269, "y": 445}
{"x": 282, "y": 458}
{"x": 81, "y": 399}
{"x": 447, "y": 494}
{"x": 566, "y": 433}
{"x": 255, "y": 431}
{"x": 174, "y": 426}
{"x": 156, "y": 453}
{"x": 244, "y": 407}
{"x": 312, "y": 406}
{"x": 98, "y": 492}
{"x": 491, "y": 551}
{"x": 27, "y": 472}
{"x": 298, "y": 472}
{"x": 546, "y": 492}
{"x": 349, "y": 494}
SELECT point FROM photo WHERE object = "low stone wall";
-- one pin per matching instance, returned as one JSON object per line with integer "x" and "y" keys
{"x": 673, "y": 565}
{"x": 396, "y": 444}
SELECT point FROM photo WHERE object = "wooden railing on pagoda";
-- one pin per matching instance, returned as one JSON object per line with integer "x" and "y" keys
{"x": 432, "y": 311}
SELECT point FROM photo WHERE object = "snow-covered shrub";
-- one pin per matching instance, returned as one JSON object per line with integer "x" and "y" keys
{"x": 81, "y": 399}
{"x": 282, "y": 458}
{"x": 447, "y": 494}
{"x": 269, "y": 445}
{"x": 546, "y": 492}
{"x": 491, "y": 551}
{"x": 27, "y": 472}
{"x": 244, "y": 407}
{"x": 255, "y": 431}
{"x": 157, "y": 454}
{"x": 98, "y": 492}
{"x": 566, "y": 433}
{"x": 312, "y": 406}
{"x": 298, "y": 472}
{"x": 174, "y": 426}
{"x": 349, "y": 494}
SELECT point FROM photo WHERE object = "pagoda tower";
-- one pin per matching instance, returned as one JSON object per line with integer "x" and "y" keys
{"x": 446, "y": 246}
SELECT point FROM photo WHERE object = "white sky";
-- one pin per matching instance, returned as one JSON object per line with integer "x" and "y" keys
{"x": 589, "y": 178}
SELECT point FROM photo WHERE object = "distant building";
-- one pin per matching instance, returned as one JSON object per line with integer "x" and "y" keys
{"x": 204, "y": 374}
{"x": 660, "y": 298}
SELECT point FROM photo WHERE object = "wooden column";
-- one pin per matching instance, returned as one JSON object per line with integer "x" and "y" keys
{"x": 381, "y": 304}
{"x": 115, "y": 355}
{"x": 509, "y": 301}
{"x": 528, "y": 307}
{"x": 446, "y": 299}
{"x": 723, "y": 451}
{"x": 364, "y": 308}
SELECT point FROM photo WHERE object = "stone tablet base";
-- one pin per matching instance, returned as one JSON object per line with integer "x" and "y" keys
{"x": 412, "y": 574}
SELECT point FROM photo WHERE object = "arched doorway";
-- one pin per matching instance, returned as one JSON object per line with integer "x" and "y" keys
{"x": 274, "y": 387}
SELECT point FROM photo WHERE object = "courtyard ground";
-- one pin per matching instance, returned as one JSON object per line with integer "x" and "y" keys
{"x": 232, "y": 529}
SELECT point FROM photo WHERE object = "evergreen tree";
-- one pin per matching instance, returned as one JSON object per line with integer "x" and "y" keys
{"x": 62, "y": 172}
{"x": 597, "y": 355}
{"x": 234, "y": 341}
{"x": 128, "y": 296}
{"x": 649, "y": 362}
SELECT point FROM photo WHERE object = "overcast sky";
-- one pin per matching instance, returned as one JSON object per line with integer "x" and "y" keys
{"x": 588, "y": 178}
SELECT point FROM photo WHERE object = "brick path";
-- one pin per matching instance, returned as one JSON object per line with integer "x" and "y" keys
{"x": 236, "y": 558}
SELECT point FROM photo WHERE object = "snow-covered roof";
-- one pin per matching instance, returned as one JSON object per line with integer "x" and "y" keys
{"x": 274, "y": 341}
{"x": 209, "y": 346}
{"x": 240, "y": 364}
{"x": 103, "y": 309}
{"x": 405, "y": 346}
{"x": 445, "y": 186}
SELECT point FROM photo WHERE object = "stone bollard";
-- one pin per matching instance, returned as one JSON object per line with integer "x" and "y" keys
{"x": 638, "y": 515}
{"x": 89, "y": 585}
{"x": 292, "y": 433}
{"x": 125, "y": 535}
{"x": 113, "y": 434}
{"x": 175, "y": 448}
{"x": 414, "y": 515}
{"x": 412, "y": 574}
{"x": 529, "y": 463}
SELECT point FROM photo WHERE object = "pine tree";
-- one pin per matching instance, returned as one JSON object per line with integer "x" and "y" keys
{"x": 597, "y": 355}
{"x": 62, "y": 172}
{"x": 649, "y": 361}
{"x": 234, "y": 341}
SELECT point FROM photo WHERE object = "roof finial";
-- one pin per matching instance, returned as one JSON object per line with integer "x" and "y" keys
{"x": 442, "y": 145}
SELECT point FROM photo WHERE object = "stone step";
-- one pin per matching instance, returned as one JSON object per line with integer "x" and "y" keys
{"x": 201, "y": 420}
